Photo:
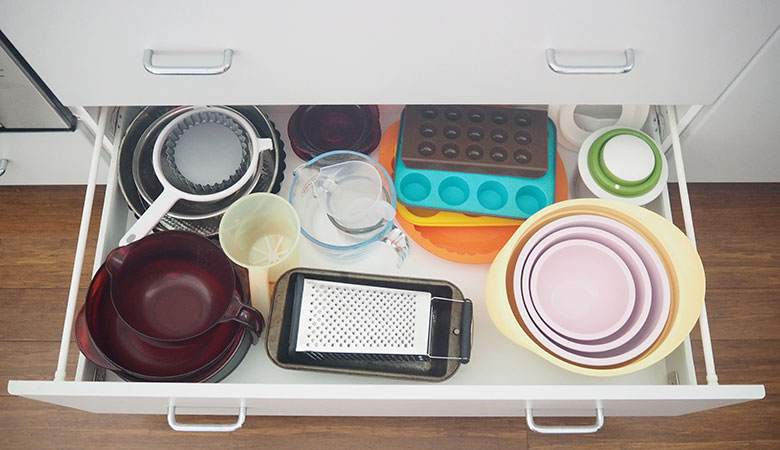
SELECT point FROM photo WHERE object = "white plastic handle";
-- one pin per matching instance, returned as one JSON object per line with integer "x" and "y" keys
{"x": 562, "y": 429}
{"x": 206, "y": 427}
{"x": 151, "y": 217}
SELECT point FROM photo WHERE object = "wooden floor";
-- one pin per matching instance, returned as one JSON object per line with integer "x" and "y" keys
{"x": 738, "y": 231}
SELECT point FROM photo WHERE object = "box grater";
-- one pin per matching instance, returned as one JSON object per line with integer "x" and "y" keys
{"x": 356, "y": 323}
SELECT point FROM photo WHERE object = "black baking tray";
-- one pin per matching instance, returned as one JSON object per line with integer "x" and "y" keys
{"x": 451, "y": 328}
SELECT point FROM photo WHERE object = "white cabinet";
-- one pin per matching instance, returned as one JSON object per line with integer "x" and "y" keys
{"x": 352, "y": 51}
{"x": 738, "y": 138}
{"x": 342, "y": 51}
{"x": 57, "y": 157}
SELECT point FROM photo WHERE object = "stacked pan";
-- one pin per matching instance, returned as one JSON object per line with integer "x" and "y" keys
{"x": 140, "y": 185}
{"x": 598, "y": 287}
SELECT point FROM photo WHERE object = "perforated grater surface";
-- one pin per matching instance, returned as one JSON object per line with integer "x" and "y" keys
{"x": 343, "y": 320}
{"x": 408, "y": 328}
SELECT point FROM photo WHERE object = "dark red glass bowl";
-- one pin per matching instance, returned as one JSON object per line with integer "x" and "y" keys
{"x": 109, "y": 342}
{"x": 314, "y": 130}
{"x": 176, "y": 286}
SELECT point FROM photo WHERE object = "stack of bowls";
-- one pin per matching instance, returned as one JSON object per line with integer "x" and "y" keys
{"x": 597, "y": 287}
{"x": 314, "y": 130}
{"x": 619, "y": 163}
{"x": 169, "y": 307}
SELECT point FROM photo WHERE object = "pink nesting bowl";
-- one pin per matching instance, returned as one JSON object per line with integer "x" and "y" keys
{"x": 642, "y": 301}
{"x": 582, "y": 289}
{"x": 660, "y": 298}
{"x": 639, "y": 275}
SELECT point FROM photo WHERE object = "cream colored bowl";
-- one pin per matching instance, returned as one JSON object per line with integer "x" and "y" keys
{"x": 682, "y": 262}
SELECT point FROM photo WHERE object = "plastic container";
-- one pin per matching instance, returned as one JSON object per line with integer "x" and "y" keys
{"x": 682, "y": 264}
{"x": 319, "y": 227}
{"x": 618, "y": 163}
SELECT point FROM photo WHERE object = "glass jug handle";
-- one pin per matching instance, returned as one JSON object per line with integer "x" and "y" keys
{"x": 398, "y": 241}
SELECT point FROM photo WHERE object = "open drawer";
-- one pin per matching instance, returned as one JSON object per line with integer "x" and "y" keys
{"x": 502, "y": 378}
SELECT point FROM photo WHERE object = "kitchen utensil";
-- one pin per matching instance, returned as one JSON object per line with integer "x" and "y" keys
{"x": 621, "y": 164}
{"x": 574, "y": 127}
{"x": 175, "y": 286}
{"x": 139, "y": 184}
{"x": 328, "y": 234}
{"x": 486, "y": 140}
{"x": 399, "y": 327}
{"x": 477, "y": 193}
{"x": 110, "y": 343}
{"x": 173, "y": 188}
{"x": 593, "y": 300}
{"x": 682, "y": 264}
{"x": 625, "y": 349}
{"x": 260, "y": 232}
{"x": 458, "y": 244}
{"x": 219, "y": 371}
{"x": 351, "y": 195}
{"x": 585, "y": 227}
{"x": 314, "y": 130}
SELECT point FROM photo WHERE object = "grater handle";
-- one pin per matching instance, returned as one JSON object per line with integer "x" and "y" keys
{"x": 466, "y": 328}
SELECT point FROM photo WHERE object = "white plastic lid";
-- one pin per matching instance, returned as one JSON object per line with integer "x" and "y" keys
{"x": 628, "y": 157}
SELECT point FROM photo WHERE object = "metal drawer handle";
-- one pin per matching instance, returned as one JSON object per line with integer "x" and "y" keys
{"x": 591, "y": 70}
{"x": 200, "y": 427}
{"x": 187, "y": 70}
{"x": 3, "y": 166}
{"x": 580, "y": 429}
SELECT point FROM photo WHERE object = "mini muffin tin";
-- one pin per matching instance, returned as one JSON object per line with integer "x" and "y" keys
{"x": 492, "y": 195}
{"x": 476, "y": 139}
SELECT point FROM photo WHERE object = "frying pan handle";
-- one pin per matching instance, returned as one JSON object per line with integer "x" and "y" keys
{"x": 247, "y": 316}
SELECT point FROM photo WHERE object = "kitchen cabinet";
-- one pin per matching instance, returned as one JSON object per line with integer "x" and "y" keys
{"x": 351, "y": 51}
{"x": 286, "y": 54}
{"x": 742, "y": 125}
{"x": 58, "y": 157}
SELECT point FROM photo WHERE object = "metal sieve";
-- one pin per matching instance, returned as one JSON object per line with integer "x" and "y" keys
{"x": 172, "y": 193}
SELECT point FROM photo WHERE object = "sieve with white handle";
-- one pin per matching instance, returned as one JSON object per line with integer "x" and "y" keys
{"x": 177, "y": 186}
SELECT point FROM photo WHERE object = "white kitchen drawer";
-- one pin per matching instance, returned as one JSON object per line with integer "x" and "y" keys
{"x": 502, "y": 378}
{"x": 407, "y": 51}
{"x": 51, "y": 157}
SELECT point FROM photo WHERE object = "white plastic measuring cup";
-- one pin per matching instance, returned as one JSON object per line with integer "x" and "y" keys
{"x": 351, "y": 193}
{"x": 260, "y": 232}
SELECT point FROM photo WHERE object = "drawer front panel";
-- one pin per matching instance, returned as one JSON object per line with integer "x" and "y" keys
{"x": 61, "y": 157}
{"x": 346, "y": 51}
{"x": 368, "y": 400}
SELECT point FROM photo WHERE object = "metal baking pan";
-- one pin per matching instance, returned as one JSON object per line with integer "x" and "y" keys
{"x": 449, "y": 337}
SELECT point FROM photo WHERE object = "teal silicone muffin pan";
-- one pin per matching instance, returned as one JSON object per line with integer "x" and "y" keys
{"x": 490, "y": 195}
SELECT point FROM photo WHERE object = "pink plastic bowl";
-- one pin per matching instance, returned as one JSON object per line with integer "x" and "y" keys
{"x": 641, "y": 279}
{"x": 660, "y": 299}
{"x": 582, "y": 289}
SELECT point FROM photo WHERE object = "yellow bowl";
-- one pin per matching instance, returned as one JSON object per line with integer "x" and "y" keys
{"x": 682, "y": 263}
